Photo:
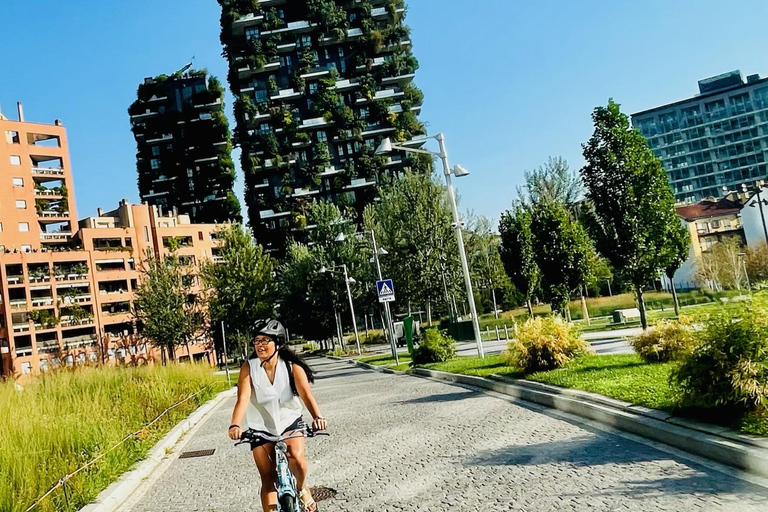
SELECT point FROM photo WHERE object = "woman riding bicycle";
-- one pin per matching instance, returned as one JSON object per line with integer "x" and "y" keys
{"x": 268, "y": 391}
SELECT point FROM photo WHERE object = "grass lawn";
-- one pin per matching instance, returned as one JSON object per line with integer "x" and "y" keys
{"x": 622, "y": 376}
{"x": 493, "y": 363}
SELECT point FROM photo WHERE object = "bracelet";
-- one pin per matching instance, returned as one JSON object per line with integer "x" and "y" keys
{"x": 233, "y": 426}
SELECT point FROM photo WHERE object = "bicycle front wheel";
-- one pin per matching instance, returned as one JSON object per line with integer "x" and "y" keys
{"x": 287, "y": 503}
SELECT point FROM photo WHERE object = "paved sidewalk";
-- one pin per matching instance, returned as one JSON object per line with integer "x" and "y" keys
{"x": 400, "y": 443}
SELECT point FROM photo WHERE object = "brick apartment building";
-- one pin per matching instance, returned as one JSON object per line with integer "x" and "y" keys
{"x": 66, "y": 288}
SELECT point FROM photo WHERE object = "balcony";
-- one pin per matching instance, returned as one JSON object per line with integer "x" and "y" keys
{"x": 286, "y": 94}
{"x": 52, "y": 214}
{"x": 301, "y": 192}
{"x": 48, "y": 171}
{"x": 69, "y": 321}
{"x": 42, "y": 302}
{"x": 13, "y": 280}
{"x": 297, "y": 27}
{"x": 249, "y": 20}
{"x": 360, "y": 183}
{"x": 47, "y": 192}
{"x": 56, "y": 236}
{"x": 316, "y": 122}
{"x": 18, "y": 304}
{"x": 144, "y": 115}
{"x": 346, "y": 85}
{"x": 25, "y": 327}
{"x": 399, "y": 80}
{"x": 271, "y": 214}
{"x": 167, "y": 136}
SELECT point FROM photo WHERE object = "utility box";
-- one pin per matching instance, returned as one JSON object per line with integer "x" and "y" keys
{"x": 462, "y": 331}
{"x": 622, "y": 316}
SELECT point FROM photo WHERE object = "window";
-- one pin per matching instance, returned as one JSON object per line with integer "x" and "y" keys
{"x": 327, "y": 54}
{"x": 305, "y": 41}
{"x": 321, "y": 136}
{"x": 146, "y": 234}
{"x": 26, "y": 248}
{"x": 21, "y": 204}
{"x": 18, "y": 182}
{"x": 190, "y": 173}
{"x": 155, "y": 150}
{"x": 363, "y": 113}
{"x": 286, "y": 61}
{"x": 200, "y": 235}
{"x": 312, "y": 88}
{"x": 341, "y": 51}
{"x": 155, "y": 163}
{"x": 12, "y": 137}
{"x": 23, "y": 227}
{"x": 191, "y": 185}
{"x": 251, "y": 33}
{"x": 1, "y": 227}
{"x": 15, "y": 160}
{"x": 715, "y": 224}
{"x": 727, "y": 223}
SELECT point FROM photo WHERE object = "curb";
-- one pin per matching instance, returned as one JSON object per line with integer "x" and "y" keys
{"x": 710, "y": 442}
{"x": 111, "y": 498}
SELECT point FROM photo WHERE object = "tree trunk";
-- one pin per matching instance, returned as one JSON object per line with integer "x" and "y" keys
{"x": 674, "y": 296}
{"x": 585, "y": 310}
{"x": 530, "y": 307}
{"x": 641, "y": 306}
{"x": 495, "y": 308}
{"x": 429, "y": 312}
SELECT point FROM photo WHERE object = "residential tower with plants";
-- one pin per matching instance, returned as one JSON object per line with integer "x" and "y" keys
{"x": 184, "y": 146}
{"x": 317, "y": 85}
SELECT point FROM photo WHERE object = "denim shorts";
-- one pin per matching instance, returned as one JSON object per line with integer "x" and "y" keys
{"x": 296, "y": 425}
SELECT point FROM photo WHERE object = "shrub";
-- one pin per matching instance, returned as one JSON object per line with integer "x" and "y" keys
{"x": 544, "y": 343}
{"x": 667, "y": 341}
{"x": 311, "y": 346}
{"x": 729, "y": 367}
{"x": 436, "y": 347}
{"x": 338, "y": 352}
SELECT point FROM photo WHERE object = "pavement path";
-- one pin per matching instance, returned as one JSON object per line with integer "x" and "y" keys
{"x": 402, "y": 443}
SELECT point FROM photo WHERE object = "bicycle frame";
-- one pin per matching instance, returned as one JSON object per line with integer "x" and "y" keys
{"x": 286, "y": 482}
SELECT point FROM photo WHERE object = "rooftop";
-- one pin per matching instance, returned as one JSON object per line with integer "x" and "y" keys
{"x": 709, "y": 208}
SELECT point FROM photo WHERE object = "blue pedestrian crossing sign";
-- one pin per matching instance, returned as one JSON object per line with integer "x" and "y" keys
{"x": 386, "y": 290}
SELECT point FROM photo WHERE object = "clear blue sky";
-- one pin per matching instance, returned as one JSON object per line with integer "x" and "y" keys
{"x": 510, "y": 82}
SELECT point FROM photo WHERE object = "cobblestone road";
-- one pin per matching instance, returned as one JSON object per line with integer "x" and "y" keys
{"x": 406, "y": 444}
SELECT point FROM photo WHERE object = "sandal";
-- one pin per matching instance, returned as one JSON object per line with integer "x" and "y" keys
{"x": 307, "y": 501}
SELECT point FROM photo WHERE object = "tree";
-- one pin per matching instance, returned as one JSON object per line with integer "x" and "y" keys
{"x": 633, "y": 204}
{"x": 721, "y": 266}
{"x": 413, "y": 222}
{"x": 242, "y": 288}
{"x": 676, "y": 248}
{"x": 482, "y": 248}
{"x": 518, "y": 253}
{"x": 562, "y": 251}
{"x": 551, "y": 182}
{"x": 165, "y": 306}
{"x": 757, "y": 263}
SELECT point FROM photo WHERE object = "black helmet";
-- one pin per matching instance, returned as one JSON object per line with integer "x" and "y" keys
{"x": 270, "y": 327}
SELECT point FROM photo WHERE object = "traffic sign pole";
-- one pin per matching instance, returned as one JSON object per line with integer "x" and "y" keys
{"x": 388, "y": 314}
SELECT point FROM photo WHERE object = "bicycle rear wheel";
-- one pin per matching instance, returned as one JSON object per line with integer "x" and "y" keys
{"x": 288, "y": 503}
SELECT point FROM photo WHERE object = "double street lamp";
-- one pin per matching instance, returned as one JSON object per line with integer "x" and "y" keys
{"x": 347, "y": 281}
{"x": 386, "y": 146}
{"x": 389, "y": 328}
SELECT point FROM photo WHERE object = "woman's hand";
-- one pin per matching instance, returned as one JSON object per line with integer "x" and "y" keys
{"x": 235, "y": 432}
{"x": 319, "y": 423}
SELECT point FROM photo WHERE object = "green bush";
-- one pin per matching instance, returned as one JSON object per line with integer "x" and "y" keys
{"x": 544, "y": 343}
{"x": 436, "y": 347}
{"x": 729, "y": 367}
{"x": 667, "y": 341}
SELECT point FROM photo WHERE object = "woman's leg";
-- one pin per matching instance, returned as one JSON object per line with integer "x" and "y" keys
{"x": 297, "y": 460}
{"x": 265, "y": 461}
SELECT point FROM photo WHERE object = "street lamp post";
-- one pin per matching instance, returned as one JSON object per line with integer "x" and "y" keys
{"x": 347, "y": 282}
{"x": 389, "y": 328}
{"x": 758, "y": 188}
{"x": 386, "y": 146}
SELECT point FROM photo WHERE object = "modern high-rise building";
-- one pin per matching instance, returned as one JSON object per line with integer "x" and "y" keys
{"x": 715, "y": 141}
{"x": 318, "y": 85}
{"x": 67, "y": 288}
{"x": 183, "y": 146}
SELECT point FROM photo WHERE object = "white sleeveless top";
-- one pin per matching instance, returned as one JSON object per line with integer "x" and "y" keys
{"x": 273, "y": 406}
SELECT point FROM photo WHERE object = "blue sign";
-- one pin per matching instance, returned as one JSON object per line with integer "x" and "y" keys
{"x": 386, "y": 290}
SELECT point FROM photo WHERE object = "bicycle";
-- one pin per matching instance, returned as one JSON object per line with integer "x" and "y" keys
{"x": 287, "y": 495}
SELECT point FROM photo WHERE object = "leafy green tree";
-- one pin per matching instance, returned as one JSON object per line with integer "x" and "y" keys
{"x": 518, "y": 252}
{"x": 552, "y": 182}
{"x": 165, "y": 305}
{"x": 633, "y": 204}
{"x": 676, "y": 249}
{"x": 562, "y": 251}
{"x": 485, "y": 265}
{"x": 413, "y": 222}
{"x": 241, "y": 288}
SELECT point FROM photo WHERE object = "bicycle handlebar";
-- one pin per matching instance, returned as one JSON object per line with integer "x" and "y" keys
{"x": 257, "y": 435}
